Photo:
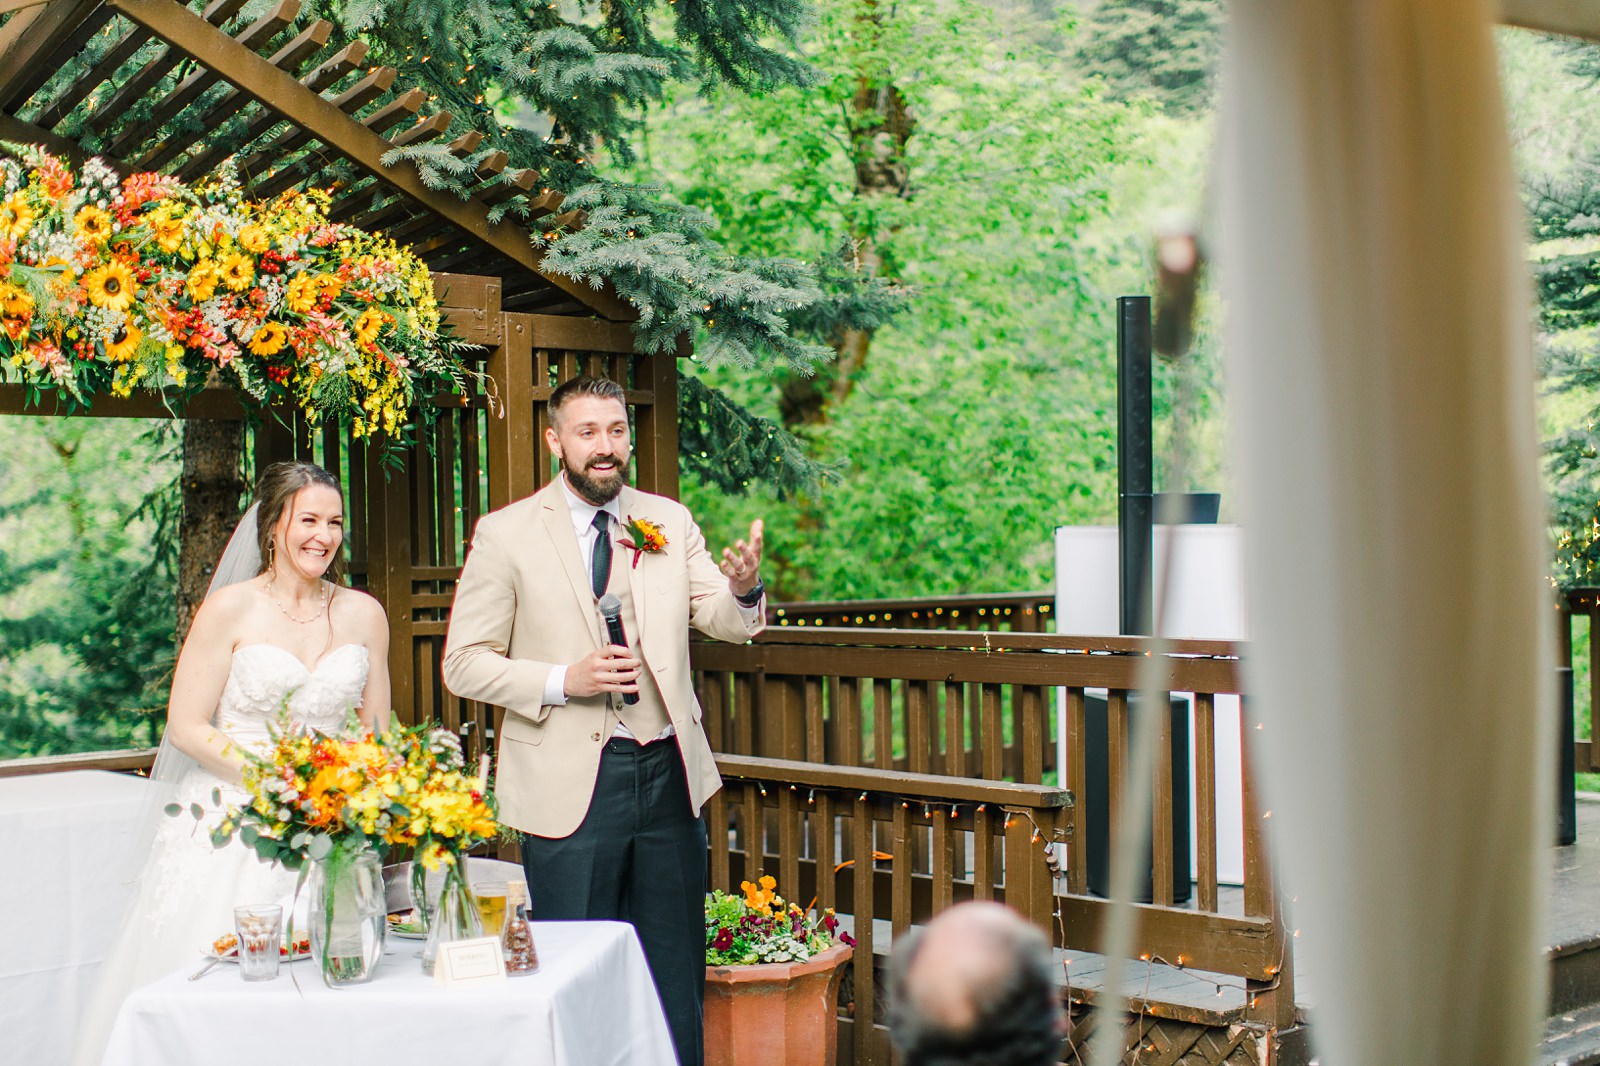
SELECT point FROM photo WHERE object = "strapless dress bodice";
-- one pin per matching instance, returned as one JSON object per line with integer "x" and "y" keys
{"x": 266, "y": 678}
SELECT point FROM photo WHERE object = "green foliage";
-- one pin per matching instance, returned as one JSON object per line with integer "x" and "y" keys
{"x": 727, "y": 447}
{"x": 1164, "y": 50}
{"x": 985, "y": 416}
{"x": 86, "y": 648}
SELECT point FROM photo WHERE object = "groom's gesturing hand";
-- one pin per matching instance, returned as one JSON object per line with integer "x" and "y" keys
{"x": 611, "y": 669}
{"x": 741, "y": 564}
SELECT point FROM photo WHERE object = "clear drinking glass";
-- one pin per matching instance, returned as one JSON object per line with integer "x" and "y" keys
{"x": 260, "y": 930}
{"x": 490, "y": 896}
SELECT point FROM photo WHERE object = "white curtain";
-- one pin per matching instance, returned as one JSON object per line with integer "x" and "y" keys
{"x": 1383, "y": 400}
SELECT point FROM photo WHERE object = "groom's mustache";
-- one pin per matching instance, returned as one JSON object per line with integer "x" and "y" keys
{"x": 597, "y": 460}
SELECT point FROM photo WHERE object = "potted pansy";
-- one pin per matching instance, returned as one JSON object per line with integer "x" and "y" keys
{"x": 772, "y": 979}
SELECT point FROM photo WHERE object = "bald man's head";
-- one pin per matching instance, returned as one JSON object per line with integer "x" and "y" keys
{"x": 975, "y": 987}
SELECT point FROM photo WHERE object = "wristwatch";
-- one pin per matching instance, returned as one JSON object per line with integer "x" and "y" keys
{"x": 753, "y": 597}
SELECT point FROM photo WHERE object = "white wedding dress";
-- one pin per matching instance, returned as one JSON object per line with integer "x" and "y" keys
{"x": 188, "y": 888}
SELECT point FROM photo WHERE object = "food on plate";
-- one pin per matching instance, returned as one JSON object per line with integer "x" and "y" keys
{"x": 226, "y": 946}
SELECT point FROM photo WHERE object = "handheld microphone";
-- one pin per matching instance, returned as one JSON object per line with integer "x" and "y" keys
{"x": 611, "y": 611}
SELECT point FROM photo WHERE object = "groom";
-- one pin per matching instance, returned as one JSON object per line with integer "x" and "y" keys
{"x": 606, "y": 790}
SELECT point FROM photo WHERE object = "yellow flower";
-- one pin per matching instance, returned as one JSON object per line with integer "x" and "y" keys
{"x": 238, "y": 272}
{"x": 168, "y": 233}
{"x": 111, "y": 286}
{"x": 15, "y": 217}
{"x": 15, "y": 302}
{"x": 301, "y": 295}
{"x": 92, "y": 223}
{"x": 254, "y": 238}
{"x": 269, "y": 339}
{"x": 369, "y": 324}
{"x": 203, "y": 279}
{"x": 122, "y": 349}
{"x": 329, "y": 287}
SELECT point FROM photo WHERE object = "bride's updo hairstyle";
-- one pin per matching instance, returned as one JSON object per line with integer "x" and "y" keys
{"x": 275, "y": 491}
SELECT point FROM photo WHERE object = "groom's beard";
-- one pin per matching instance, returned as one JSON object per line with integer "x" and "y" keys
{"x": 599, "y": 490}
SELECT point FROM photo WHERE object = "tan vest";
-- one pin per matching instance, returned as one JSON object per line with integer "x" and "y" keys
{"x": 647, "y": 718}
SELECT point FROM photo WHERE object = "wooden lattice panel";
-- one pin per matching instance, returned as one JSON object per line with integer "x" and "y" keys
{"x": 1148, "y": 1041}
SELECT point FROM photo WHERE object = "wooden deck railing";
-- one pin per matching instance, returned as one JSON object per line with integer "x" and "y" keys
{"x": 1015, "y": 612}
{"x": 969, "y": 710}
{"x": 886, "y": 849}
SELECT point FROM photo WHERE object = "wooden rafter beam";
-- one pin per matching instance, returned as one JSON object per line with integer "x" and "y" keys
{"x": 282, "y": 93}
{"x": 14, "y": 129}
{"x": 30, "y": 38}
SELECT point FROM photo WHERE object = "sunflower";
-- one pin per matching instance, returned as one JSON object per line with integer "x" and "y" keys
{"x": 238, "y": 272}
{"x": 369, "y": 324}
{"x": 254, "y": 238}
{"x": 92, "y": 224}
{"x": 111, "y": 286}
{"x": 15, "y": 217}
{"x": 329, "y": 287}
{"x": 301, "y": 295}
{"x": 168, "y": 233}
{"x": 203, "y": 279}
{"x": 269, "y": 339}
{"x": 127, "y": 342}
{"x": 15, "y": 302}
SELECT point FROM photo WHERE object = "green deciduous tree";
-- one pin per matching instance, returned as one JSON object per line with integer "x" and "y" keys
{"x": 1164, "y": 50}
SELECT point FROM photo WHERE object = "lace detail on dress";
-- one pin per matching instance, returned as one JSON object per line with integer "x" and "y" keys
{"x": 263, "y": 679}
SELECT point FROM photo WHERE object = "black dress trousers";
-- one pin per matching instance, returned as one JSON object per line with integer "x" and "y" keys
{"x": 640, "y": 857}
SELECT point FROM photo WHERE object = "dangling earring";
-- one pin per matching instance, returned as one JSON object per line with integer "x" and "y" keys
{"x": 272, "y": 557}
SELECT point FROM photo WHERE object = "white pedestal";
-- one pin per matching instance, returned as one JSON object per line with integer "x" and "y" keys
{"x": 1205, "y": 602}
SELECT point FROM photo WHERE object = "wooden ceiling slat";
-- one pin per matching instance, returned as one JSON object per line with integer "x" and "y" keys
{"x": 31, "y": 40}
{"x": 369, "y": 88}
{"x": 323, "y": 120}
{"x": 306, "y": 44}
{"x": 79, "y": 90}
{"x": 159, "y": 67}
{"x": 346, "y": 60}
{"x": 517, "y": 183}
{"x": 20, "y": 132}
{"x": 388, "y": 216}
{"x": 395, "y": 111}
{"x": 194, "y": 86}
{"x": 428, "y": 128}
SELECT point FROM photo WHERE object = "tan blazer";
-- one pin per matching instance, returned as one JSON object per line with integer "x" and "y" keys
{"x": 524, "y": 605}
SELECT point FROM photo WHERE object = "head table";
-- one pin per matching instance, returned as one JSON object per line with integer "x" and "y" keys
{"x": 592, "y": 1003}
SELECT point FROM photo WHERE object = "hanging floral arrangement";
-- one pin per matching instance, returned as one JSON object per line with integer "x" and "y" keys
{"x": 111, "y": 284}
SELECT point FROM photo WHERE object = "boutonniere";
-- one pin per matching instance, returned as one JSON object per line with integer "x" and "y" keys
{"x": 642, "y": 535}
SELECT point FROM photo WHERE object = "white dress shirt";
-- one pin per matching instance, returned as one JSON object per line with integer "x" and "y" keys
{"x": 583, "y": 512}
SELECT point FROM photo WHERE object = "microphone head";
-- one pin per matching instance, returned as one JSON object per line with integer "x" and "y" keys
{"x": 610, "y": 606}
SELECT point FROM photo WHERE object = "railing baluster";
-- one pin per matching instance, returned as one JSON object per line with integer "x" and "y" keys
{"x": 717, "y": 829}
{"x": 816, "y": 749}
{"x": 1034, "y": 738}
{"x": 992, "y": 744}
{"x": 919, "y": 729}
{"x": 1077, "y": 783}
{"x": 1205, "y": 797}
{"x": 788, "y": 841}
{"x": 882, "y": 724}
{"x": 822, "y": 825}
{"x": 1161, "y": 870}
{"x": 865, "y": 980}
{"x": 900, "y": 868}
{"x": 955, "y": 736}
{"x": 848, "y": 712}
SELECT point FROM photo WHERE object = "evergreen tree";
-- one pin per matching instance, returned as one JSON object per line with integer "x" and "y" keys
{"x": 1165, "y": 50}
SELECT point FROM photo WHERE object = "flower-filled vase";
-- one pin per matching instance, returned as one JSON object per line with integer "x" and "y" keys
{"x": 455, "y": 914}
{"x": 347, "y": 913}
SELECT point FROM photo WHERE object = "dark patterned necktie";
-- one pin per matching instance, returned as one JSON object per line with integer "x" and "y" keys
{"x": 600, "y": 568}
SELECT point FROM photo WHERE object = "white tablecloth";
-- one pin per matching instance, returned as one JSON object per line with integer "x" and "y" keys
{"x": 64, "y": 838}
{"x": 591, "y": 1004}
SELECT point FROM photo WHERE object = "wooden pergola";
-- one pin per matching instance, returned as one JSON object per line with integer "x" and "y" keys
{"x": 283, "y": 102}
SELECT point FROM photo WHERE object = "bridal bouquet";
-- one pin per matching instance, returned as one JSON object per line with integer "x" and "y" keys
{"x": 761, "y": 926}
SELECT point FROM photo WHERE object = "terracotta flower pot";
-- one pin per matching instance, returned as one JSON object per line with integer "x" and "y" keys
{"x": 776, "y": 1012}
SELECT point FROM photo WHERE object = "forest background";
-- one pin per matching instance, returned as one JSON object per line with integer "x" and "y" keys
{"x": 1004, "y": 164}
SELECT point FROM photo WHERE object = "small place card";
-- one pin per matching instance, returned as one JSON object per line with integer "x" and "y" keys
{"x": 469, "y": 962}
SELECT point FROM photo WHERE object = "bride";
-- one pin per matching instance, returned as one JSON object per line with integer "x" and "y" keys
{"x": 276, "y": 629}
